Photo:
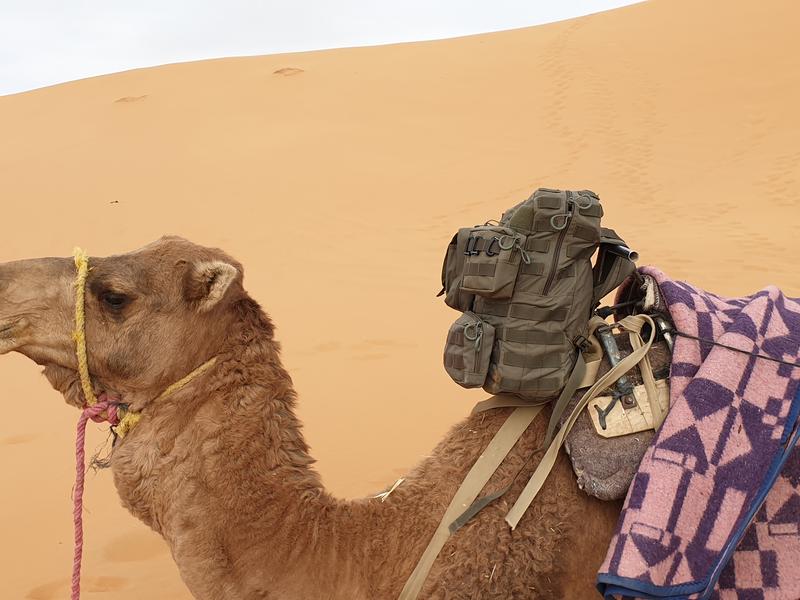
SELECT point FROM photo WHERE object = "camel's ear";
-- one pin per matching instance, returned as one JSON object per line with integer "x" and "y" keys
{"x": 207, "y": 281}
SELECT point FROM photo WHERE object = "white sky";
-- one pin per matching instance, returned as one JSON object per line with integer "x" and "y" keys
{"x": 43, "y": 42}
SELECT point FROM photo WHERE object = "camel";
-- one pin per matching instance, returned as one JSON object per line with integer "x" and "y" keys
{"x": 220, "y": 469}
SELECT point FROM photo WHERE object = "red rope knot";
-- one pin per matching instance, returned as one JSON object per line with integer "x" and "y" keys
{"x": 106, "y": 410}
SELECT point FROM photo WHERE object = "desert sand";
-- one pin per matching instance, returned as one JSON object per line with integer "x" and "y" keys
{"x": 356, "y": 166}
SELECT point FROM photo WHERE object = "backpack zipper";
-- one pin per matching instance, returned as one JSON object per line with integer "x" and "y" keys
{"x": 477, "y": 340}
{"x": 554, "y": 265}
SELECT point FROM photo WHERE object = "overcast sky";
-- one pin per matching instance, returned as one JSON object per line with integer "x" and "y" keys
{"x": 43, "y": 42}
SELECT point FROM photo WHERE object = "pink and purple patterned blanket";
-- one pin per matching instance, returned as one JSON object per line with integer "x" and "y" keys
{"x": 714, "y": 510}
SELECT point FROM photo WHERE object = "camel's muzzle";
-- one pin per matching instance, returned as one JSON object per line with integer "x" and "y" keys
{"x": 32, "y": 292}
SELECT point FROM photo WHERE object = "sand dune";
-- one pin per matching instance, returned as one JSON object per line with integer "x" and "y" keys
{"x": 357, "y": 165}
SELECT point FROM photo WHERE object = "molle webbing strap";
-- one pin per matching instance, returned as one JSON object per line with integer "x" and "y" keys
{"x": 533, "y": 268}
{"x": 535, "y": 245}
{"x": 480, "y": 269}
{"x": 455, "y": 361}
{"x": 496, "y": 309}
{"x": 578, "y": 252}
{"x": 532, "y": 336}
{"x": 480, "y": 473}
{"x": 526, "y": 361}
{"x": 583, "y": 232}
{"x": 595, "y": 210}
{"x": 535, "y": 313}
{"x": 550, "y": 202}
{"x": 568, "y": 271}
{"x": 456, "y": 338}
{"x": 632, "y": 324}
{"x": 522, "y": 311}
{"x": 541, "y": 384}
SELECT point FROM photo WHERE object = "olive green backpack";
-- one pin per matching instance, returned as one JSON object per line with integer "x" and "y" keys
{"x": 527, "y": 288}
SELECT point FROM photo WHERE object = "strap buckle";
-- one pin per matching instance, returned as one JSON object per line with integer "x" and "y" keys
{"x": 582, "y": 343}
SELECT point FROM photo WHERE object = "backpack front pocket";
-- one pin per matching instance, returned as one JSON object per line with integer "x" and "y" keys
{"x": 468, "y": 349}
{"x": 453, "y": 272}
{"x": 493, "y": 257}
{"x": 530, "y": 363}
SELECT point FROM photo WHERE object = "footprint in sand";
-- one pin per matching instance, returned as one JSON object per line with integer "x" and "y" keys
{"x": 288, "y": 71}
{"x": 386, "y": 343}
{"x": 13, "y": 440}
{"x": 60, "y": 589}
{"x": 134, "y": 547}
{"x": 375, "y": 349}
{"x": 326, "y": 347}
{"x": 130, "y": 99}
{"x": 371, "y": 356}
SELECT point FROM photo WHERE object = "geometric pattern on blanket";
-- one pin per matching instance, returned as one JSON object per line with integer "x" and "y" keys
{"x": 714, "y": 510}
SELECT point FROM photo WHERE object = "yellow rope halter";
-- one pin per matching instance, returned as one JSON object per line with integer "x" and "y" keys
{"x": 79, "y": 335}
{"x": 129, "y": 418}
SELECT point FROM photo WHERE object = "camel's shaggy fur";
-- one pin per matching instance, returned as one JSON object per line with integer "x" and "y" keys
{"x": 221, "y": 469}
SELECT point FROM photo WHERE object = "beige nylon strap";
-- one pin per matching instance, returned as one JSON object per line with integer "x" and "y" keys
{"x": 575, "y": 378}
{"x": 631, "y": 323}
{"x": 648, "y": 379}
{"x": 480, "y": 473}
{"x": 503, "y": 401}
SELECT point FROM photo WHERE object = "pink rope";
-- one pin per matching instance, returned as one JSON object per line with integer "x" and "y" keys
{"x": 103, "y": 411}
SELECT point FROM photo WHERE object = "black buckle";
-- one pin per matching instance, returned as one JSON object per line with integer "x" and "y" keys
{"x": 582, "y": 343}
{"x": 489, "y": 251}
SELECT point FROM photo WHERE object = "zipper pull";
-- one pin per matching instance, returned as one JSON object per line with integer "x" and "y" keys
{"x": 523, "y": 253}
{"x": 566, "y": 216}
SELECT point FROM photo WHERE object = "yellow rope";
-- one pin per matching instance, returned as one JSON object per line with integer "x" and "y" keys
{"x": 128, "y": 421}
{"x": 182, "y": 383}
{"x": 129, "y": 418}
{"x": 79, "y": 335}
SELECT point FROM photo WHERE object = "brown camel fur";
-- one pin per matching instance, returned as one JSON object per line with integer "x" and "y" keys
{"x": 221, "y": 470}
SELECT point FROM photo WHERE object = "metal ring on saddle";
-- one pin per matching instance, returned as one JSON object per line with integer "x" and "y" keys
{"x": 588, "y": 204}
{"x": 563, "y": 225}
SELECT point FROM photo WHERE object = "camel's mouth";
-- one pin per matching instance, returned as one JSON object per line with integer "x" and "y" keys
{"x": 9, "y": 330}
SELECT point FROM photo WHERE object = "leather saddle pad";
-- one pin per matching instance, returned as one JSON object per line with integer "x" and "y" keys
{"x": 603, "y": 466}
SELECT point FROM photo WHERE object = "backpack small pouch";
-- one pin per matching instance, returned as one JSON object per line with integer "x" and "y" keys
{"x": 453, "y": 272}
{"x": 468, "y": 349}
{"x": 493, "y": 257}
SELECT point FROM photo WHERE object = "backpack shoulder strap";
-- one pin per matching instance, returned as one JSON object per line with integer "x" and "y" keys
{"x": 477, "y": 477}
{"x": 613, "y": 264}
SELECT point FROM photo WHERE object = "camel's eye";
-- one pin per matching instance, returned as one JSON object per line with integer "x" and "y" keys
{"x": 114, "y": 300}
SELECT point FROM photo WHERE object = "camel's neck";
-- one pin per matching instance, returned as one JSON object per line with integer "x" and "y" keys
{"x": 221, "y": 470}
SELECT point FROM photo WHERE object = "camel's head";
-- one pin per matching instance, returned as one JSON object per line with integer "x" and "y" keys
{"x": 151, "y": 316}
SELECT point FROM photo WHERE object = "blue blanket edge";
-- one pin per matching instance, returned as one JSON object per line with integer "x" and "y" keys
{"x": 611, "y": 586}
